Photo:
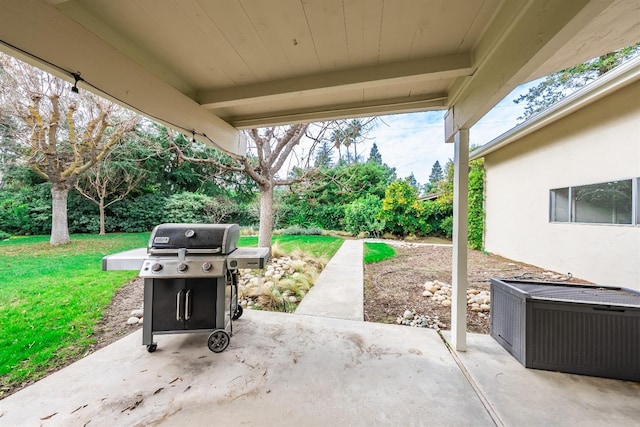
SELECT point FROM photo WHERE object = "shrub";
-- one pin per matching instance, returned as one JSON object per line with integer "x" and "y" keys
{"x": 187, "y": 207}
{"x": 4, "y": 236}
{"x": 476, "y": 204}
{"x": 402, "y": 212}
{"x": 136, "y": 215}
{"x": 362, "y": 216}
{"x": 26, "y": 210}
{"x": 446, "y": 226}
{"x": 300, "y": 231}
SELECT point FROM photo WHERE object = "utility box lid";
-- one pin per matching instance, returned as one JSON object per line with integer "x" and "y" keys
{"x": 572, "y": 292}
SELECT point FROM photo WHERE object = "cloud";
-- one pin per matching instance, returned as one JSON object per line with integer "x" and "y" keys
{"x": 413, "y": 142}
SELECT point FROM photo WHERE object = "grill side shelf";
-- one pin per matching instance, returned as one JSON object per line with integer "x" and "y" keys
{"x": 127, "y": 260}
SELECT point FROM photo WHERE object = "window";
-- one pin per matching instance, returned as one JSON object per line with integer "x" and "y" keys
{"x": 560, "y": 205}
{"x": 605, "y": 203}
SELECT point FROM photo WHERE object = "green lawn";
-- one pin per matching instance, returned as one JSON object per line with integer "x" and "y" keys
{"x": 376, "y": 252}
{"x": 52, "y": 296}
{"x": 318, "y": 246}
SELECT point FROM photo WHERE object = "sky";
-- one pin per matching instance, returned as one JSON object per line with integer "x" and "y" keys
{"x": 413, "y": 142}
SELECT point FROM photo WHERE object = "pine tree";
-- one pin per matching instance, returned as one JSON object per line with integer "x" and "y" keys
{"x": 374, "y": 155}
{"x": 436, "y": 176}
{"x": 412, "y": 181}
{"x": 324, "y": 156}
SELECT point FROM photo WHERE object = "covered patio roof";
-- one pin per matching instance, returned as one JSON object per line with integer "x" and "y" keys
{"x": 213, "y": 68}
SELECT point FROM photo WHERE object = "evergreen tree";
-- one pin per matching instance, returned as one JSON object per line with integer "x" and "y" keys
{"x": 436, "y": 176}
{"x": 374, "y": 155}
{"x": 412, "y": 181}
{"x": 324, "y": 156}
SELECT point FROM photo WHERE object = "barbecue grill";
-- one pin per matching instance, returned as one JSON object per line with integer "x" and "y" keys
{"x": 190, "y": 274}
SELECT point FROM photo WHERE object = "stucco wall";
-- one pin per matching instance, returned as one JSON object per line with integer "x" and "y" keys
{"x": 599, "y": 143}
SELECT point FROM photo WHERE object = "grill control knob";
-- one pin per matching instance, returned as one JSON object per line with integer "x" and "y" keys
{"x": 156, "y": 267}
{"x": 206, "y": 266}
{"x": 182, "y": 267}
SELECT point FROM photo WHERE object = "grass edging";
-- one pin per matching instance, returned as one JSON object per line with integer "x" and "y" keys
{"x": 377, "y": 251}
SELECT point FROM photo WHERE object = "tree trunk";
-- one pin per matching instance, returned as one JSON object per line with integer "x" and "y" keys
{"x": 266, "y": 215}
{"x": 59, "y": 224}
{"x": 101, "y": 208}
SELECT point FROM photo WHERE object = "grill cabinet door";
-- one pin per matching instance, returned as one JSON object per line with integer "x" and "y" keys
{"x": 200, "y": 303}
{"x": 168, "y": 304}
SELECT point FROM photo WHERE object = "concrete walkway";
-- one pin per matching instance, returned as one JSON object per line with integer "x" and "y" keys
{"x": 338, "y": 292}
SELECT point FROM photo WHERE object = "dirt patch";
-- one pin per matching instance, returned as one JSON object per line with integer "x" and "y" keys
{"x": 113, "y": 324}
{"x": 397, "y": 284}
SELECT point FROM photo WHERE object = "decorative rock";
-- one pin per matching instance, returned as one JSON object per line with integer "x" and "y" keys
{"x": 407, "y": 315}
{"x": 485, "y": 307}
{"x": 137, "y": 313}
{"x": 427, "y": 294}
{"x": 140, "y": 321}
{"x": 133, "y": 320}
{"x": 293, "y": 299}
{"x": 446, "y": 303}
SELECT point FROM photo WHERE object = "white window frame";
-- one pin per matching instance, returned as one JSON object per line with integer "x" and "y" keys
{"x": 635, "y": 204}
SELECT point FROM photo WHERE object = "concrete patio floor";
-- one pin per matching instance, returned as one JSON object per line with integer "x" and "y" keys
{"x": 305, "y": 369}
{"x": 296, "y": 370}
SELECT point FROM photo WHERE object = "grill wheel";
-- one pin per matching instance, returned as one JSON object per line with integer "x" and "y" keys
{"x": 218, "y": 341}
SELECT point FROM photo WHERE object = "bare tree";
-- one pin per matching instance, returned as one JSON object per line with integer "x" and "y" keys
{"x": 111, "y": 180}
{"x": 66, "y": 133}
{"x": 272, "y": 147}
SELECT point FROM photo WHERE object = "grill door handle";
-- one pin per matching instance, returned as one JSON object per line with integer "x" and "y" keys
{"x": 187, "y": 305}
{"x": 178, "y": 305}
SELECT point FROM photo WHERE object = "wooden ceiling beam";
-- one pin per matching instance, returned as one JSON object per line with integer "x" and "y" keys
{"x": 449, "y": 66}
{"x": 342, "y": 111}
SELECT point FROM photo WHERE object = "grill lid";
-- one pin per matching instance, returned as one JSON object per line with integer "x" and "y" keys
{"x": 194, "y": 238}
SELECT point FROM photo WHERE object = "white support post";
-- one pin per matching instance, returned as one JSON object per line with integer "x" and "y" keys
{"x": 460, "y": 219}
